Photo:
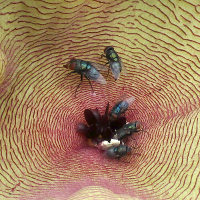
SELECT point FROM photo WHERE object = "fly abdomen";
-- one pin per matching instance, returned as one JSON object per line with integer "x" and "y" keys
{"x": 118, "y": 152}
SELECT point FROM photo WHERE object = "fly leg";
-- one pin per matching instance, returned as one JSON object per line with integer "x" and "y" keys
{"x": 71, "y": 73}
{"x": 90, "y": 84}
{"x": 102, "y": 55}
{"x": 108, "y": 71}
{"x": 79, "y": 84}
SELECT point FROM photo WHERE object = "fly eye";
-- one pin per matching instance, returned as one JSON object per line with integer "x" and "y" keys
{"x": 108, "y": 49}
{"x": 72, "y": 60}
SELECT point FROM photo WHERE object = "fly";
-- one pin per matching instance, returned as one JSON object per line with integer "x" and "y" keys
{"x": 87, "y": 69}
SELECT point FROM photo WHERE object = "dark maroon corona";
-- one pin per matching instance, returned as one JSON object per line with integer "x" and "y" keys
{"x": 107, "y": 131}
{"x": 100, "y": 127}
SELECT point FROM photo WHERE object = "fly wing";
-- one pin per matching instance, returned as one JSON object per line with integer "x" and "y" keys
{"x": 94, "y": 74}
{"x": 124, "y": 97}
{"x": 124, "y": 71}
{"x": 101, "y": 79}
{"x": 116, "y": 69}
{"x": 130, "y": 100}
{"x": 99, "y": 66}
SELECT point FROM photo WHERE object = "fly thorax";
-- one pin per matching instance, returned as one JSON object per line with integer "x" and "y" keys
{"x": 132, "y": 126}
{"x": 93, "y": 73}
{"x": 113, "y": 55}
{"x": 84, "y": 65}
{"x": 118, "y": 109}
{"x": 88, "y": 67}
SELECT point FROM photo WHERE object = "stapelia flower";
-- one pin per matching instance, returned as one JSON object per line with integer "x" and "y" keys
{"x": 42, "y": 155}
